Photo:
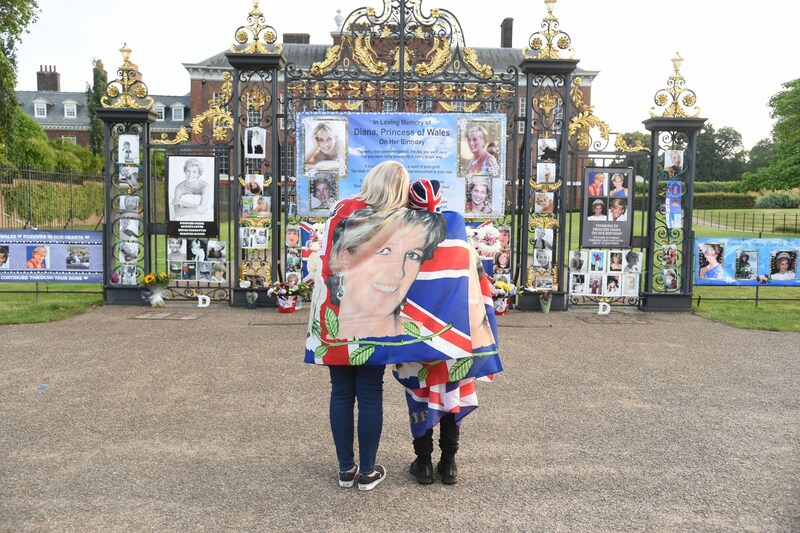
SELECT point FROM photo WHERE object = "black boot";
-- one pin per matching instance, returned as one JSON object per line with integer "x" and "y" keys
{"x": 422, "y": 467}
{"x": 448, "y": 443}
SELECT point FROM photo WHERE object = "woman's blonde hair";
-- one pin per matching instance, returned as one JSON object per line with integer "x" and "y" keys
{"x": 476, "y": 128}
{"x": 385, "y": 186}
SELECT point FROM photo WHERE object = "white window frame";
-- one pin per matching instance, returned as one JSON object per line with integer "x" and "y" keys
{"x": 389, "y": 106}
{"x": 253, "y": 116}
{"x": 70, "y": 138}
{"x": 159, "y": 109}
{"x": 426, "y": 104}
{"x": 70, "y": 110}
{"x": 177, "y": 113}
{"x": 40, "y": 110}
{"x": 522, "y": 108}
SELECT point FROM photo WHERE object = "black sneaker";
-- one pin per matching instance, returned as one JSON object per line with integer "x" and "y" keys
{"x": 371, "y": 480}
{"x": 448, "y": 472}
{"x": 347, "y": 478}
{"x": 423, "y": 472}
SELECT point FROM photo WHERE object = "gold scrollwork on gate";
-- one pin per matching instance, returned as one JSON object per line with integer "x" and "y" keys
{"x": 127, "y": 91}
{"x": 583, "y": 121}
{"x": 471, "y": 59}
{"x": 332, "y": 55}
{"x": 675, "y": 98}
{"x": 437, "y": 59}
{"x": 547, "y": 102}
{"x": 181, "y": 136}
{"x": 366, "y": 57}
{"x": 545, "y": 222}
{"x": 544, "y": 187}
{"x": 256, "y": 97}
{"x": 621, "y": 146}
{"x": 218, "y": 113}
{"x": 257, "y": 25}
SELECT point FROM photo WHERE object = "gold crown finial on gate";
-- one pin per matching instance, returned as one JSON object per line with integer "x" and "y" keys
{"x": 548, "y": 43}
{"x": 675, "y": 100}
{"x": 128, "y": 90}
{"x": 258, "y": 30}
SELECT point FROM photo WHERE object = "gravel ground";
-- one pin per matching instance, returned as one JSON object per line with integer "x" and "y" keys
{"x": 207, "y": 420}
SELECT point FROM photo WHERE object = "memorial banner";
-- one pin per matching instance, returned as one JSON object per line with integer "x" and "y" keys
{"x": 746, "y": 262}
{"x": 55, "y": 256}
{"x": 607, "y": 220}
{"x": 464, "y": 152}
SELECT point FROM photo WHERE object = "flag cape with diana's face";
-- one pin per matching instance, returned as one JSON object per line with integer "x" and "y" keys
{"x": 444, "y": 317}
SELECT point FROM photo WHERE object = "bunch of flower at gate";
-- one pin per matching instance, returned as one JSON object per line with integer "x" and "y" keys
{"x": 286, "y": 289}
{"x": 152, "y": 280}
{"x": 501, "y": 289}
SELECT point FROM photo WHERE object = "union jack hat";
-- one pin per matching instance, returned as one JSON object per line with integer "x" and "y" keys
{"x": 425, "y": 195}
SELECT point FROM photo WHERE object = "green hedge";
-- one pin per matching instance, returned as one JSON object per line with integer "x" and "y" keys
{"x": 724, "y": 200}
{"x": 50, "y": 202}
{"x": 779, "y": 200}
{"x": 716, "y": 186}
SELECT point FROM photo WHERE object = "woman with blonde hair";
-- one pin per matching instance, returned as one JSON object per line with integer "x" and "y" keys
{"x": 37, "y": 259}
{"x": 482, "y": 161}
{"x": 326, "y": 146}
{"x": 383, "y": 192}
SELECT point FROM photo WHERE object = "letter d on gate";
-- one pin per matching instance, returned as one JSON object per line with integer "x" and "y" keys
{"x": 604, "y": 308}
{"x": 203, "y": 300}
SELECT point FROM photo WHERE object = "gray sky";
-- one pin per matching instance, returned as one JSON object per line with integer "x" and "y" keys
{"x": 737, "y": 54}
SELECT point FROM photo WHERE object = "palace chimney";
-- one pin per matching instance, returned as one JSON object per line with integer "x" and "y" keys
{"x": 48, "y": 79}
{"x": 506, "y": 29}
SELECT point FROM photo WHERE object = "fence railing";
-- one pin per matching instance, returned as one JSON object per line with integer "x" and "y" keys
{"x": 32, "y": 198}
{"x": 781, "y": 223}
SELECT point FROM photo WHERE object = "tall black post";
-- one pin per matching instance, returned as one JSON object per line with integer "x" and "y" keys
{"x": 547, "y": 108}
{"x": 126, "y": 115}
{"x": 256, "y": 60}
{"x": 673, "y": 163}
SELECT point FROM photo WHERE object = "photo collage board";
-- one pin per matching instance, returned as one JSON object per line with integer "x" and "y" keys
{"x": 546, "y": 182}
{"x": 128, "y": 209}
{"x": 197, "y": 259}
{"x": 610, "y": 273}
{"x": 673, "y": 208}
{"x": 747, "y": 262}
{"x": 255, "y": 209}
{"x": 607, "y": 215}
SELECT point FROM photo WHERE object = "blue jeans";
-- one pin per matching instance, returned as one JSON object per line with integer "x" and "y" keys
{"x": 366, "y": 384}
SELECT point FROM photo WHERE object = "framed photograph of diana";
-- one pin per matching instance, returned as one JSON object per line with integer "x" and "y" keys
{"x": 324, "y": 145}
{"x": 190, "y": 195}
{"x": 479, "y": 143}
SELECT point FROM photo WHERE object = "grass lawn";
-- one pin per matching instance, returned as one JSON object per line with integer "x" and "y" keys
{"x": 29, "y": 308}
{"x": 740, "y": 313}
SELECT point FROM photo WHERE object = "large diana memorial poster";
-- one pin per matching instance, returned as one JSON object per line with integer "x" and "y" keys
{"x": 747, "y": 261}
{"x": 464, "y": 152}
{"x": 68, "y": 256}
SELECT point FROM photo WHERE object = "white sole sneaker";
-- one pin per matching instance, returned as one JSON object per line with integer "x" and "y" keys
{"x": 366, "y": 482}
{"x": 347, "y": 483}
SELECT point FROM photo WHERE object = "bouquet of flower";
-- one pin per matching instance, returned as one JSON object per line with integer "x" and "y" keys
{"x": 285, "y": 289}
{"x": 501, "y": 289}
{"x": 487, "y": 240}
{"x": 156, "y": 280}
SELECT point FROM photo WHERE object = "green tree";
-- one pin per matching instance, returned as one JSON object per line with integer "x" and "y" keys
{"x": 15, "y": 17}
{"x": 783, "y": 171}
{"x": 94, "y": 93}
{"x": 29, "y": 145}
{"x": 760, "y": 154}
{"x": 720, "y": 154}
{"x": 639, "y": 163}
{"x": 76, "y": 158}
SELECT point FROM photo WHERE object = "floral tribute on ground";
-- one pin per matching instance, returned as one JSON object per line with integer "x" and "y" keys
{"x": 156, "y": 284}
